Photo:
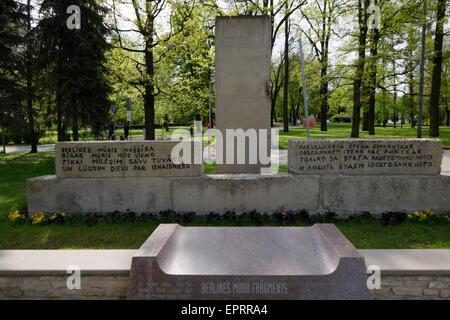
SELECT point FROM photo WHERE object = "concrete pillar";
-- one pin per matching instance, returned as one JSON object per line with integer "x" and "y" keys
{"x": 243, "y": 61}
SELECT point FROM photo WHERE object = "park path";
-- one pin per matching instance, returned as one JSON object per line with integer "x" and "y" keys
{"x": 27, "y": 148}
{"x": 445, "y": 167}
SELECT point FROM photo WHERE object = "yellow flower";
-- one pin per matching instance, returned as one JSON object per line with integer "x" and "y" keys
{"x": 448, "y": 218}
{"x": 15, "y": 215}
{"x": 56, "y": 215}
{"x": 38, "y": 217}
{"x": 417, "y": 214}
{"x": 428, "y": 211}
{"x": 409, "y": 216}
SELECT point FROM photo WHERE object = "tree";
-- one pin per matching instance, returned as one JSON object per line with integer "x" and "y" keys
{"x": 276, "y": 84}
{"x": 124, "y": 78}
{"x": 29, "y": 77}
{"x": 186, "y": 69}
{"x": 321, "y": 19}
{"x": 11, "y": 19}
{"x": 422, "y": 71}
{"x": 437, "y": 70}
{"x": 286, "y": 70}
{"x": 76, "y": 60}
{"x": 372, "y": 82}
{"x": 145, "y": 15}
{"x": 359, "y": 72}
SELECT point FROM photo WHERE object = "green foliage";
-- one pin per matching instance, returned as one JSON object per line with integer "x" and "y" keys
{"x": 124, "y": 79}
{"x": 75, "y": 62}
{"x": 129, "y": 231}
{"x": 186, "y": 69}
{"x": 11, "y": 65}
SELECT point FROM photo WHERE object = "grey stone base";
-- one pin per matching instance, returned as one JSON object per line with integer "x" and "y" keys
{"x": 42, "y": 274}
{"x": 220, "y": 193}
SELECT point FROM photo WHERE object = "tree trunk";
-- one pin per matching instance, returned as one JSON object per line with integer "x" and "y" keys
{"x": 29, "y": 85}
{"x": 293, "y": 115}
{"x": 324, "y": 71}
{"x": 447, "y": 121}
{"x": 421, "y": 80}
{"x": 286, "y": 75}
{"x": 411, "y": 89}
{"x": 365, "y": 104}
{"x": 149, "y": 96}
{"x": 3, "y": 139}
{"x": 272, "y": 111}
{"x": 395, "y": 100}
{"x": 297, "y": 111}
{"x": 356, "y": 114}
{"x": 365, "y": 119}
{"x": 59, "y": 116}
{"x": 74, "y": 119}
{"x": 373, "y": 79}
{"x": 323, "y": 98}
{"x": 437, "y": 70}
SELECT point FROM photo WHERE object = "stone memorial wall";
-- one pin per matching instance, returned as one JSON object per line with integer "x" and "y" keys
{"x": 120, "y": 160}
{"x": 365, "y": 157}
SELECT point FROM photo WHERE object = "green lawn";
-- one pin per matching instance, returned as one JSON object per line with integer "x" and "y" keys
{"x": 364, "y": 234}
{"x": 14, "y": 170}
{"x": 343, "y": 130}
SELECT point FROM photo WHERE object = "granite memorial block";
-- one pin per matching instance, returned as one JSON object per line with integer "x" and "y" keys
{"x": 125, "y": 159}
{"x": 243, "y": 62}
{"x": 365, "y": 157}
{"x": 221, "y": 263}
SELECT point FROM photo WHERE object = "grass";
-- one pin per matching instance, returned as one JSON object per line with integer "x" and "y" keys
{"x": 364, "y": 234}
{"x": 14, "y": 170}
{"x": 342, "y": 131}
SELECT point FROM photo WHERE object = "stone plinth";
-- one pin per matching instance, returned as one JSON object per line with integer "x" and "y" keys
{"x": 241, "y": 193}
{"x": 247, "y": 263}
{"x": 365, "y": 157}
{"x": 124, "y": 159}
{"x": 243, "y": 62}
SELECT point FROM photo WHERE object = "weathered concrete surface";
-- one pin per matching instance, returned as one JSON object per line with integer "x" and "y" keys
{"x": 122, "y": 159}
{"x": 378, "y": 194}
{"x": 409, "y": 261}
{"x": 445, "y": 166}
{"x": 365, "y": 156}
{"x": 241, "y": 193}
{"x": 243, "y": 56}
{"x": 248, "y": 263}
{"x": 50, "y": 194}
{"x": 56, "y": 262}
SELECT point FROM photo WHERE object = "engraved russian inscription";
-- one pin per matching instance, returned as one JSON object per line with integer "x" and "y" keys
{"x": 365, "y": 156}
